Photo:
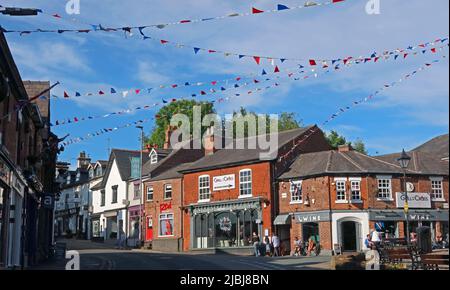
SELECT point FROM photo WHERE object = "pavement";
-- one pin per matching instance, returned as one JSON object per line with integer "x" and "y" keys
{"x": 99, "y": 256}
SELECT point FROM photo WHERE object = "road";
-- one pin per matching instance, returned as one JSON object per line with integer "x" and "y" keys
{"x": 104, "y": 257}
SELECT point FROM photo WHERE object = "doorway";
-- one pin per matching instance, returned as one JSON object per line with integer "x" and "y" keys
{"x": 349, "y": 236}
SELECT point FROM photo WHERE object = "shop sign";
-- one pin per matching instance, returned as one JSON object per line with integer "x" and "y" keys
{"x": 415, "y": 200}
{"x": 312, "y": 217}
{"x": 224, "y": 182}
{"x": 165, "y": 206}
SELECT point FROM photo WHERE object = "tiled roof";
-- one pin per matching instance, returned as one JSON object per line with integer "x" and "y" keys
{"x": 353, "y": 162}
{"x": 438, "y": 146}
{"x": 228, "y": 157}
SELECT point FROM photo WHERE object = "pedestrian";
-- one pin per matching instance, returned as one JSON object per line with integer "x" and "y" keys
{"x": 256, "y": 240}
{"x": 367, "y": 242}
{"x": 297, "y": 247}
{"x": 375, "y": 238}
{"x": 268, "y": 247}
{"x": 276, "y": 245}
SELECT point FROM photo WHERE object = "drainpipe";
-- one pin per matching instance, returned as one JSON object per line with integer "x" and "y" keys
{"x": 331, "y": 216}
{"x": 182, "y": 215}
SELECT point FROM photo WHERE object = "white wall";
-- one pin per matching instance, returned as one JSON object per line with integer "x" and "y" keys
{"x": 361, "y": 217}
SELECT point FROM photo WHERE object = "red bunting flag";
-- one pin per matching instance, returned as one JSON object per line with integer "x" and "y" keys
{"x": 203, "y": 93}
{"x": 312, "y": 62}
{"x": 214, "y": 83}
{"x": 433, "y": 50}
{"x": 238, "y": 78}
{"x": 405, "y": 55}
{"x": 257, "y": 59}
{"x": 277, "y": 70}
{"x": 185, "y": 21}
{"x": 66, "y": 95}
{"x": 101, "y": 93}
{"x": 137, "y": 92}
{"x": 256, "y": 11}
{"x": 212, "y": 51}
{"x": 174, "y": 86}
{"x": 337, "y": 1}
{"x": 56, "y": 15}
{"x": 164, "y": 41}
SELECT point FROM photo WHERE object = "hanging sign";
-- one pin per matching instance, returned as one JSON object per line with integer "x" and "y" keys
{"x": 415, "y": 200}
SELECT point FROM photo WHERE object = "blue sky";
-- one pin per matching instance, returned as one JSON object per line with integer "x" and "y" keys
{"x": 405, "y": 116}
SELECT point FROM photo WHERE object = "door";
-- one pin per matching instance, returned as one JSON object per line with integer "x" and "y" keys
{"x": 149, "y": 230}
{"x": 349, "y": 236}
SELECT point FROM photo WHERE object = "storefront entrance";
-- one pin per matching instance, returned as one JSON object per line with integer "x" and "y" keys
{"x": 350, "y": 235}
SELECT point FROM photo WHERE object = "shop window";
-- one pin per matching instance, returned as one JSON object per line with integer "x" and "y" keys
{"x": 168, "y": 191}
{"x": 296, "y": 191}
{"x": 384, "y": 188}
{"x": 166, "y": 225}
{"x": 150, "y": 193}
{"x": 356, "y": 190}
{"x": 340, "y": 190}
{"x": 245, "y": 182}
{"x": 204, "y": 190}
{"x": 225, "y": 227}
{"x": 436, "y": 189}
{"x": 310, "y": 230}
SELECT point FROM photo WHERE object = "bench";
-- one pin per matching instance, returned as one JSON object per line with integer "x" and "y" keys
{"x": 399, "y": 255}
{"x": 432, "y": 262}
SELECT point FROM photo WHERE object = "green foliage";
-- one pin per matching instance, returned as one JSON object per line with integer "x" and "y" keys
{"x": 359, "y": 146}
{"x": 164, "y": 115}
{"x": 335, "y": 140}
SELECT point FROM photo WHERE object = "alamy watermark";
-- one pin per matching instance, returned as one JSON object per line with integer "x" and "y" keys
{"x": 373, "y": 7}
{"x": 73, "y": 7}
{"x": 235, "y": 131}
{"x": 74, "y": 261}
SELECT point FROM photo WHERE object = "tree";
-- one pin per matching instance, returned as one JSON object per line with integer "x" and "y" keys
{"x": 359, "y": 146}
{"x": 164, "y": 115}
{"x": 335, "y": 140}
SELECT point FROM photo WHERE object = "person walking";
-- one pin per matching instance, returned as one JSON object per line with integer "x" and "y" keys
{"x": 276, "y": 245}
{"x": 256, "y": 240}
{"x": 268, "y": 247}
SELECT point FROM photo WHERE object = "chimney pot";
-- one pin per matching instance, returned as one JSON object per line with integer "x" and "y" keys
{"x": 345, "y": 148}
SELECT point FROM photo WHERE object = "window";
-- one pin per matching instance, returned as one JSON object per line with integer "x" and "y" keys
{"x": 78, "y": 176}
{"x": 150, "y": 193}
{"x": 137, "y": 191}
{"x": 436, "y": 189}
{"x": 384, "y": 188}
{"x": 114, "y": 194}
{"x": 296, "y": 191}
{"x": 135, "y": 167}
{"x": 341, "y": 190}
{"x": 204, "y": 191}
{"x": 166, "y": 225}
{"x": 245, "y": 182}
{"x": 168, "y": 191}
{"x": 103, "y": 197}
{"x": 153, "y": 158}
{"x": 356, "y": 190}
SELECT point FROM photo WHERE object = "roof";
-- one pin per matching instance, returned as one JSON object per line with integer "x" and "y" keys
{"x": 84, "y": 178}
{"x": 123, "y": 161}
{"x": 173, "y": 173}
{"x": 438, "y": 146}
{"x": 148, "y": 167}
{"x": 230, "y": 157}
{"x": 421, "y": 163}
{"x": 334, "y": 162}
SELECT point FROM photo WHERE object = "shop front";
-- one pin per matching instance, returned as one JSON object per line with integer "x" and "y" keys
{"x": 133, "y": 226}
{"x": 225, "y": 225}
{"x": 349, "y": 229}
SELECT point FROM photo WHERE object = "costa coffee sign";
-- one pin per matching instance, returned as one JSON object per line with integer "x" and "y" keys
{"x": 415, "y": 200}
{"x": 224, "y": 182}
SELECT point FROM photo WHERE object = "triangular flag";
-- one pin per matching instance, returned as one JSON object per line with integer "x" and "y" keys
{"x": 203, "y": 93}
{"x": 256, "y": 11}
{"x": 223, "y": 89}
{"x": 282, "y": 7}
{"x": 312, "y": 62}
{"x": 164, "y": 101}
{"x": 113, "y": 91}
{"x": 137, "y": 92}
{"x": 164, "y": 41}
{"x": 77, "y": 94}
{"x": 196, "y": 50}
{"x": 241, "y": 56}
{"x": 277, "y": 70}
{"x": 264, "y": 72}
{"x": 257, "y": 59}
{"x": 66, "y": 95}
{"x": 101, "y": 93}
{"x": 282, "y": 60}
{"x": 124, "y": 93}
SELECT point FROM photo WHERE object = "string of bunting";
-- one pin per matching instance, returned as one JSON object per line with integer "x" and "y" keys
{"x": 202, "y": 93}
{"x": 315, "y": 129}
{"x": 397, "y": 53}
{"x": 384, "y": 88}
{"x": 129, "y": 29}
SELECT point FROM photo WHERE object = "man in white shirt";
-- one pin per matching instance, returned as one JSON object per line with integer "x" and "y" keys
{"x": 375, "y": 238}
{"x": 276, "y": 245}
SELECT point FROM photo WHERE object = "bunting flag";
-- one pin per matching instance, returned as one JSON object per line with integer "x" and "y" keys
{"x": 325, "y": 66}
{"x": 286, "y": 158}
{"x": 129, "y": 29}
{"x": 382, "y": 89}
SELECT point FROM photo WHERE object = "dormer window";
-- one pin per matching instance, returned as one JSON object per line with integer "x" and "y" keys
{"x": 153, "y": 157}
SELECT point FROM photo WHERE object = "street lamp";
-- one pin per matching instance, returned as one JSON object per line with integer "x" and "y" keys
{"x": 404, "y": 162}
{"x": 141, "y": 190}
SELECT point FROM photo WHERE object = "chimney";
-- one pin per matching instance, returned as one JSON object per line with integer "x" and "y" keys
{"x": 83, "y": 161}
{"x": 208, "y": 142}
{"x": 345, "y": 148}
{"x": 169, "y": 132}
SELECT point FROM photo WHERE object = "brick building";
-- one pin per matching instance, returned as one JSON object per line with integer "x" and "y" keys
{"x": 27, "y": 166}
{"x": 231, "y": 193}
{"x": 339, "y": 196}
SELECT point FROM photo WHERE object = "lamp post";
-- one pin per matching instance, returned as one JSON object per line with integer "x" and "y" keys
{"x": 141, "y": 190}
{"x": 404, "y": 162}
